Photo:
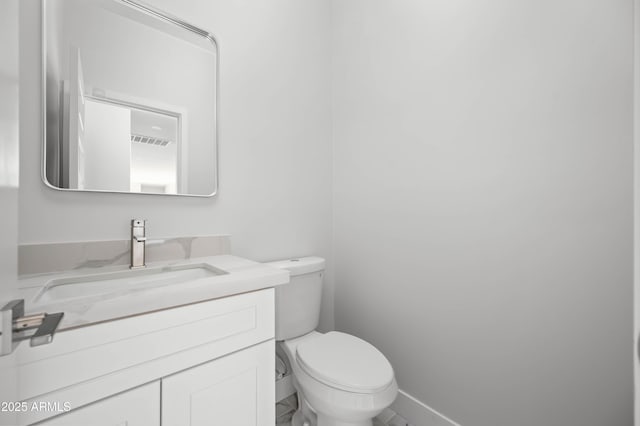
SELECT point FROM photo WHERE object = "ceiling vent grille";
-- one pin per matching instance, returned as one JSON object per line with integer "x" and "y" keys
{"x": 149, "y": 140}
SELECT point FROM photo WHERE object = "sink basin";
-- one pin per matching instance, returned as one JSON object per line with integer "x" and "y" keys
{"x": 120, "y": 282}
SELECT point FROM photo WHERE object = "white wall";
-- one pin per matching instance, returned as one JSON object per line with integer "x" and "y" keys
{"x": 483, "y": 203}
{"x": 9, "y": 183}
{"x": 275, "y": 150}
{"x": 9, "y": 148}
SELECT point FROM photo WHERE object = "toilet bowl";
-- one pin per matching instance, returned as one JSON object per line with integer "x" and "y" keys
{"x": 341, "y": 380}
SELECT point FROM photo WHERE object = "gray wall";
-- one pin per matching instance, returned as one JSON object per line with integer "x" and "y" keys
{"x": 275, "y": 149}
{"x": 483, "y": 203}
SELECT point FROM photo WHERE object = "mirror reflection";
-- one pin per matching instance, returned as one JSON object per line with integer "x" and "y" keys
{"x": 130, "y": 100}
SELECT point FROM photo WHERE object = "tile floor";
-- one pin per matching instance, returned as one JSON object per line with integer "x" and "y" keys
{"x": 390, "y": 418}
{"x": 387, "y": 418}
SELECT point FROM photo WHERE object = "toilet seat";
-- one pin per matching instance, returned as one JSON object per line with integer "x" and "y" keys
{"x": 345, "y": 362}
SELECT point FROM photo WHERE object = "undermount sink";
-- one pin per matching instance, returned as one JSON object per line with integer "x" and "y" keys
{"x": 120, "y": 282}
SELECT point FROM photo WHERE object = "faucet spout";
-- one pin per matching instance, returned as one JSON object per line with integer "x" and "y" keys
{"x": 138, "y": 240}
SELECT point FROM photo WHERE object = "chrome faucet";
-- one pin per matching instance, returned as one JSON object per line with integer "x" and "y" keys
{"x": 138, "y": 240}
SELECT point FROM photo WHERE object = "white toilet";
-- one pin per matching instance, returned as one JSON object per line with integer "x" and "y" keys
{"x": 341, "y": 380}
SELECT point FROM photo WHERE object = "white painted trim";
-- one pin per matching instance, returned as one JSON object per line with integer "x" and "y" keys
{"x": 636, "y": 208}
{"x": 418, "y": 413}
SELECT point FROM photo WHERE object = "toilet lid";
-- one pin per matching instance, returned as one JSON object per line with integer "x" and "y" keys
{"x": 345, "y": 362}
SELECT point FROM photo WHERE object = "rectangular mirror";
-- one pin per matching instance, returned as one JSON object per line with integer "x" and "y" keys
{"x": 130, "y": 100}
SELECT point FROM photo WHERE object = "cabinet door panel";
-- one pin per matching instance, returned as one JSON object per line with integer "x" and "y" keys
{"x": 136, "y": 407}
{"x": 235, "y": 390}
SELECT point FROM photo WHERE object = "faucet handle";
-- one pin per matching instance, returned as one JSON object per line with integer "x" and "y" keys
{"x": 138, "y": 223}
{"x": 138, "y": 229}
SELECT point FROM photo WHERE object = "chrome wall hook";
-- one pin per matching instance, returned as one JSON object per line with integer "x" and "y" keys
{"x": 15, "y": 326}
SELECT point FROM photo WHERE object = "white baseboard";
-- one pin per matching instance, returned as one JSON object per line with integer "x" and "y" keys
{"x": 418, "y": 413}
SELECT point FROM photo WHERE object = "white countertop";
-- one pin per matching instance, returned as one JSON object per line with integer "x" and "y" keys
{"x": 242, "y": 276}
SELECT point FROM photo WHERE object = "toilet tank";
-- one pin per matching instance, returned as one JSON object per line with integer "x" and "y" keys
{"x": 298, "y": 303}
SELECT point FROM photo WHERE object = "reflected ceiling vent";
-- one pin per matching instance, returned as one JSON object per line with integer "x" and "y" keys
{"x": 149, "y": 140}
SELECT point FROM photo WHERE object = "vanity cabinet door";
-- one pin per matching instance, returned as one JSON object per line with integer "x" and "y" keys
{"x": 235, "y": 390}
{"x": 136, "y": 407}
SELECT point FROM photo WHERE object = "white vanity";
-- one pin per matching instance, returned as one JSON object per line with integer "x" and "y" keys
{"x": 191, "y": 353}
